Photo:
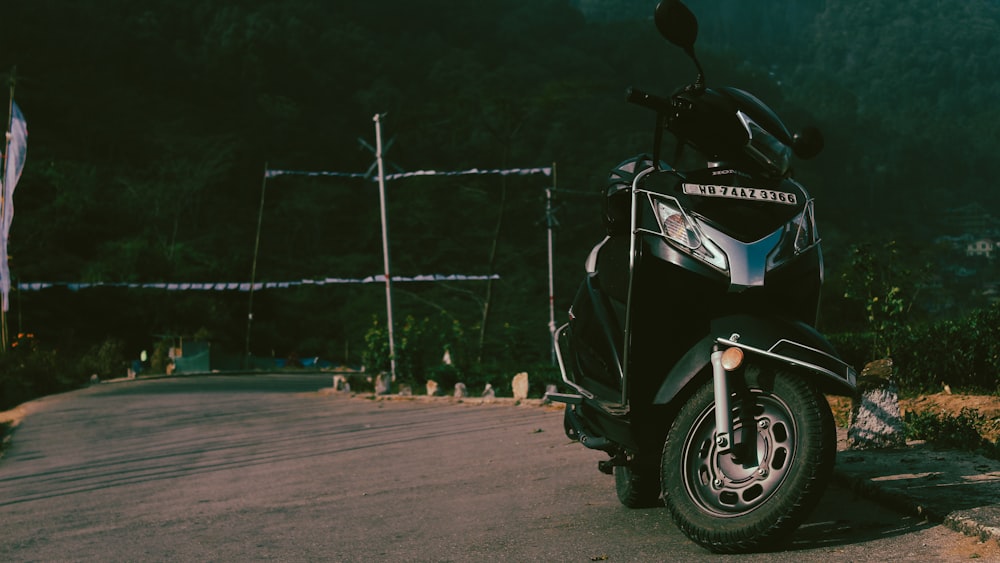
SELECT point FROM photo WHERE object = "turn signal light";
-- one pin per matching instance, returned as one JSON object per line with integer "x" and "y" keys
{"x": 732, "y": 358}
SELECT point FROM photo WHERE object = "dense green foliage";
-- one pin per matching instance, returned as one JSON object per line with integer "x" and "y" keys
{"x": 151, "y": 124}
{"x": 883, "y": 287}
{"x": 962, "y": 354}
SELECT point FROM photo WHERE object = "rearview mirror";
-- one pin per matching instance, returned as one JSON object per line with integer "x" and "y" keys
{"x": 676, "y": 23}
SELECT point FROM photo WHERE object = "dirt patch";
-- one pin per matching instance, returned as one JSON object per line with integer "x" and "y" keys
{"x": 12, "y": 417}
{"x": 988, "y": 406}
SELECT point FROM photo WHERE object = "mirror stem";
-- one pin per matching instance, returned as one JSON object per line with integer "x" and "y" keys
{"x": 699, "y": 83}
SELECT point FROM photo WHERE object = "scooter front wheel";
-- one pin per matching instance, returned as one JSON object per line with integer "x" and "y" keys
{"x": 750, "y": 497}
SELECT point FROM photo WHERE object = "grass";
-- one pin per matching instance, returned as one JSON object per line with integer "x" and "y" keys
{"x": 968, "y": 430}
{"x": 963, "y": 431}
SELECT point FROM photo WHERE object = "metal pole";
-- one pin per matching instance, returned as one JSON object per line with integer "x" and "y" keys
{"x": 550, "y": 220}
{"x": 253, "y": 268}
{"x": 385, "y": 250}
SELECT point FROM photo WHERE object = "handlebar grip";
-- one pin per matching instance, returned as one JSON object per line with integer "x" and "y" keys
{"x": 645, "y": 99}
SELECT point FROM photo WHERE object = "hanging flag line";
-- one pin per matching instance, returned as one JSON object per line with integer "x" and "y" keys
{"x": 246, "y": 286}
{"x": 274, "y": 173}
{"x": 546, "y": 170}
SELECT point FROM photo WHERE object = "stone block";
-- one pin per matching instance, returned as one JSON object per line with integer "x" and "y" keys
{"x": 520, "y": 385}
{"x": 381, "y": 384}
{"x": 876, "y": 419}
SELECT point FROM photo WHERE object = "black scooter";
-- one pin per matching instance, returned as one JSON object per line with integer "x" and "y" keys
{"x": 690, "y": 350}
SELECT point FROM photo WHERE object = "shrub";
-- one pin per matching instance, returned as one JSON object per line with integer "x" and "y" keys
{"x": 107, "y": 360}
{"x": 28, "y": 372}
{"x": 160, "y": 358}
{"x": 540, "y": 376}
{"x": 960, "y": 431}
{"x": 412, "y": 349}
{"x": 446, "y": 376}
{"x": 4, "y": 430}
{"x": 477, "y": 376}
{"x": 420, "y": 347}
{"x": 873, "y": 279}
{"x": 375, "y": 357}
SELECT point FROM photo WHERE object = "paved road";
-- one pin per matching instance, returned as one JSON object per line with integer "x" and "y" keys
{"x": 264, "y": 467}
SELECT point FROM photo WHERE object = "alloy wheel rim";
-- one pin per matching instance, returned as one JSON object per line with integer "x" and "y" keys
{"x": 724, "y": 487}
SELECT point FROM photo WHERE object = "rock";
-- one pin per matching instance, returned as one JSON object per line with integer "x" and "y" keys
{"x": 432, "y": 388}
{"x": 405, "y": 391}
{"x": 876, "y": 374}
{"x": 520, "y": 385}
{"x": 339, "y": 383}
{"x": 876, "y": 420}
{"x": 488, "y": 392}
{"x": 381, "y": 384}
{"x": 460, "y": 391}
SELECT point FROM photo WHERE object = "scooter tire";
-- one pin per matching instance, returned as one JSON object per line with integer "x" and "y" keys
{"x": 638, "y": 485}
{"x": 730, "y": 507}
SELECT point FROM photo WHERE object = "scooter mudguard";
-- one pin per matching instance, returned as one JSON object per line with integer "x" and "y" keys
{"x": 793, "y": 343}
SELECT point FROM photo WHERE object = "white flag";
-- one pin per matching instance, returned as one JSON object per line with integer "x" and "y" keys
{"x": 14, "y": 154}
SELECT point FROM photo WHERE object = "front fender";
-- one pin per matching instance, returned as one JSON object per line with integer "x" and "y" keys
{"x": 793, "y": 343}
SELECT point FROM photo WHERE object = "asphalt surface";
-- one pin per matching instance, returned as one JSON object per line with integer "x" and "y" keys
{"x": 959, "y": 489}
{"x": 270, "y": 467}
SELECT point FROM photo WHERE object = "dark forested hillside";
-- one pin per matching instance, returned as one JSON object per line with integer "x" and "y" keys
{"x": 904, "y": 88}
{"x": 151, "y": 124}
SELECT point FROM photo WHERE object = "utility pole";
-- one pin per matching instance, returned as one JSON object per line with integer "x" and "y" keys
{"x": 253, "y": 268}
{"x": 551, "y": 224}
{"x": 385, "y": 249}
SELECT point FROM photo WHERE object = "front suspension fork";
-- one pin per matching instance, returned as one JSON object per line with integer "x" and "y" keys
{"x": 723, "y": 413}
{"x": 745, "y": 450}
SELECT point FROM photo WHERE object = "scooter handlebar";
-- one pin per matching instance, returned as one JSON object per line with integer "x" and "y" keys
{"x": 650, "y": 101}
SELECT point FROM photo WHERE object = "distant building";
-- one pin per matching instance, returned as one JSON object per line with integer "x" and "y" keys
{"x": 983, "y": 247}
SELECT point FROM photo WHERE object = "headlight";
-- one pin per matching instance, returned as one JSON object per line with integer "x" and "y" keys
{"x": 765, "y": 148}
{"x": 676, "y": 226}
{"x": 806, "y": 235}
{"x": 800, "y": 235}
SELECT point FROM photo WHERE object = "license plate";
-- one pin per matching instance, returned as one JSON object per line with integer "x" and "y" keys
{"x": 741, "y": 192}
